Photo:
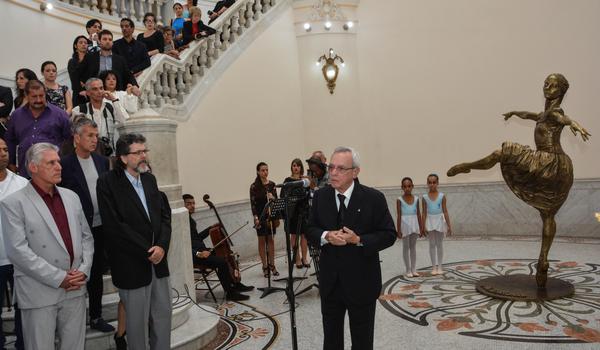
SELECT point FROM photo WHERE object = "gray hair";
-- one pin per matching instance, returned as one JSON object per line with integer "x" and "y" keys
{"x": 355, "y": 157}
{"x": 90, "y": 81}
{"x": 35, "y": 152}
{"x": 80, "y": 122}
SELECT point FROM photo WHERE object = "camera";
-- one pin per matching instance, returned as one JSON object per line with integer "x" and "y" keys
{"x": 104, "y": 147}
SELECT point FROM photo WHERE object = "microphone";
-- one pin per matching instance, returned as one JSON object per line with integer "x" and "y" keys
{"x": 292, "y": 184}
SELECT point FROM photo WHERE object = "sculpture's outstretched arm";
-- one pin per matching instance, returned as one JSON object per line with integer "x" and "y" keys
{"x": 573, "y": 125}
{"x": 522, "y": 115}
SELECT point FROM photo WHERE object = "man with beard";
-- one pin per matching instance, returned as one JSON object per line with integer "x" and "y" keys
{"x": 50, "y": 245}
{"x": 9, "y": 184}
{"x": 37, "y": 121}
{"x": 137, "y": 232}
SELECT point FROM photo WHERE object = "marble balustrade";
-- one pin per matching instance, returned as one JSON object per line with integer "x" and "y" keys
{"x": 118, "y": 9}
{"x": 168, "y": 81}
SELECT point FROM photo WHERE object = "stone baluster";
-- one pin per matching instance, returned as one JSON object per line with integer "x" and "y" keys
{"x": 159, "y": 12}
{"x": 144, "y": 99}
{"x": 235, "y": 27}
{"x": 225, "y": 36}
{"x": 132, "y": 11}
{"x": 113, "y": 8}
{"x": 210, "y": 50}
{"x": 166, "y": 90}
{"x": 241, "y": 20}
{"x": 151, "y": 95}
{"x": 273, "y": 3}
{"x": 257, "y": 9}
{"x": 172, "y": 72}
{"x": 203, "y": 60}
{"x": 266, "y": 5}
{"x": 181, "y": 85}
{"x": 249, "y": 13}
{"x": 150, "y": 8}
{"x": 191, "y": 76}
{"x": 102, "y": 6}
{"x": 94, "y": 5}
{"x": 158, "y": 90}
{"x": 122, "y": 9}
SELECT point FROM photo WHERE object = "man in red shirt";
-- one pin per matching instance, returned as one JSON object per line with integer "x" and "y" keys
{"x": 51, "y": 247}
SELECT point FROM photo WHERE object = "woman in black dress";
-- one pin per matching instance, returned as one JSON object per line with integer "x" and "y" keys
{"x": 75, "y": 66}
{"x": 154, "y": 40}
{"x": 297, "y": 169}
{"x": 261, "y": 191}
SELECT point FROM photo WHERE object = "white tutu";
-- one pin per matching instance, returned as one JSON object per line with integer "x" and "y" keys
{"x": 409, "y": 224}
{"x": 436, "y": 222}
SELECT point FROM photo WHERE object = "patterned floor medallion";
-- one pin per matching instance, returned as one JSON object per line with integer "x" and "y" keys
{"x": 450, "y": 303}
{"x": 243, "y": 325}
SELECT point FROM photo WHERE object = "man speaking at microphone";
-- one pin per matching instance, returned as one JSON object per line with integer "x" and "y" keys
{"x": 351, "y": 223}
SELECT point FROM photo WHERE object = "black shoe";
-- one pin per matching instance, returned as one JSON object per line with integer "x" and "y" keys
{"x": 235, "y": 296}
{"x": 100, "y": 325}
{"x": 120, "y": 342}
{"x": 240, "y": 287}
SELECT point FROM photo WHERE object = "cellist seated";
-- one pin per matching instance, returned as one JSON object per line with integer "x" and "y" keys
{"x": 202, "y": 256}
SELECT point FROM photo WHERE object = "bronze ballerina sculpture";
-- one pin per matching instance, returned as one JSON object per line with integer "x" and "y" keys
{"x": 542, "y": 177}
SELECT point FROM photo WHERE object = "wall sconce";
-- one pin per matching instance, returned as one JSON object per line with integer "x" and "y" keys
{"x": 330, "y": 68}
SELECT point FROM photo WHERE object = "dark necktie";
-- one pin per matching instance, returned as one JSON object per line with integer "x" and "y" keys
{"x": 341, "y": 210}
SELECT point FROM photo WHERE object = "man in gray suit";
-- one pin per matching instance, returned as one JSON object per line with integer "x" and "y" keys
{"x": 50, "y": 244}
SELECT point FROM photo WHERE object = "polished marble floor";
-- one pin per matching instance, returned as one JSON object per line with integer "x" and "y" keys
{"x": 436, "y": 312}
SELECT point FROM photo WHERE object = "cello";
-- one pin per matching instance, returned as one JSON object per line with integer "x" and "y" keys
{"x": 222, "y": 243}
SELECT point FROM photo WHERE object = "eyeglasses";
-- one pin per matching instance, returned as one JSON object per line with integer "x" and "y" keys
{"x": 341, "y": 169}
{"x": 140, "y": 152}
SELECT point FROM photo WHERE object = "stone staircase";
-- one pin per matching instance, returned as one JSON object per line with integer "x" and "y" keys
{"x": 197, "y": 331}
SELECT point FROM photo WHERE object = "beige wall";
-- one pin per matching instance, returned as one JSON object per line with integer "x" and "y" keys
{"x": 436, "y": 75}
{"x": 251, "y": 114}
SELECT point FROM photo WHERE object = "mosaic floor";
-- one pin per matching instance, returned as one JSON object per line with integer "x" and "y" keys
{"x": 436, "y": 312}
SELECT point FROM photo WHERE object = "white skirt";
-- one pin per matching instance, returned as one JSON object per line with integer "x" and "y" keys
{"x": 436, "y": 222}
{"x": 409, "y": 224}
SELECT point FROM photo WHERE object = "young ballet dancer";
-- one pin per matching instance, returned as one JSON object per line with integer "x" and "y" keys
{"x": 410, "y": 226}
{"x": 436, "y": 221}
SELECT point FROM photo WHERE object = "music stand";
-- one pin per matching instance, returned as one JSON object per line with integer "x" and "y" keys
{"x": 268, "y": 289}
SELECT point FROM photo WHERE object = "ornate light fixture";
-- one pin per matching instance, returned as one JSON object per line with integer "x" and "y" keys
{"x": 330, "y": 68}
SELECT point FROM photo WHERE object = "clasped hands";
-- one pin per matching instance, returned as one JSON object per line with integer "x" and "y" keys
{"x": 156, "y": 254}
{"x": 73, "y": 280}
{"x": 342, "y": 237}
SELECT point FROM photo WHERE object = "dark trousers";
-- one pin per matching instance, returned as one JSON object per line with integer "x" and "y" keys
{"x": 95, "y": 284}
{"x": 6, "y": 277}
{"x": 220, "y": 265}
{"x": 362, "y": 321}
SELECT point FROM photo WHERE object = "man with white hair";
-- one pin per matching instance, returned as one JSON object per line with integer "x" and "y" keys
{"x": 351, "y": 222}
{"x": 51, "y": 247}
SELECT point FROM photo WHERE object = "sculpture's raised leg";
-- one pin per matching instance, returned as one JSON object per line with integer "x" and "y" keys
{"x": 548, "y": 232}
{"x": 482, "y": 164}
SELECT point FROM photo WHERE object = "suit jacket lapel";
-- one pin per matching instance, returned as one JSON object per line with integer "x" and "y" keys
{"x": 354, "y": 206}
{"x": 133, "y": 196}
{"x": 80, "y": 176}
{"x": 74, "y": 223}
{"x": 42, "y": 208}
{"x": 148, "y": 192}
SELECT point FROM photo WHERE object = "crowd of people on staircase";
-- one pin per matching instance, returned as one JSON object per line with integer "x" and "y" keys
{"x": 64, "y": 169}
